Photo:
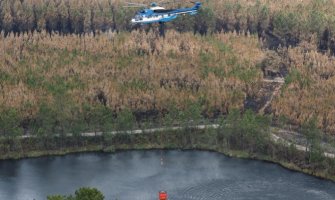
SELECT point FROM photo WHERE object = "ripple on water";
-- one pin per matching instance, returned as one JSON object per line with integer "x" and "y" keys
{"x": 248, "y": 189}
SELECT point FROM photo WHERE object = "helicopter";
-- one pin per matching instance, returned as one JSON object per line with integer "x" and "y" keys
{"x": 158, "y": 14}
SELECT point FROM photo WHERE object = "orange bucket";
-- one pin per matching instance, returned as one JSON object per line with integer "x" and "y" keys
{"x": 162, "y": 195}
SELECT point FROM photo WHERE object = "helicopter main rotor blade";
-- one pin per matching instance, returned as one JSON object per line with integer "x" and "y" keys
{"x": 133, "y": 6}
{"x": 174, "y": 1}
{"x": 164, "y": 3}
{"x": 137, "y": 4}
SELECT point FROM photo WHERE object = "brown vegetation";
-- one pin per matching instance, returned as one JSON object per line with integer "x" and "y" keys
{"x": 145, "y": 73}
{"x": 73, "y": 56}
{"x": 309, "y": 87}
{"x": 139, "y": 71}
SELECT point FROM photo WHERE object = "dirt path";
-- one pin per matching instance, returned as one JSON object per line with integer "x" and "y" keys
{"x": 280, "y": 82}
{"x": 276, "y": 134}
{"x": 275, "y": 137}
{"x": 300, "y": 141}
{"x": 286, "y": 136}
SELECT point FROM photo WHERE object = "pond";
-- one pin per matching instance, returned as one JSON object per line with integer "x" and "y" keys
{"x": 139, "y": 175}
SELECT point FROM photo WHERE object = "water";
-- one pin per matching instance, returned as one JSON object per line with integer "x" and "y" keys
{"x": 139, "y": 175}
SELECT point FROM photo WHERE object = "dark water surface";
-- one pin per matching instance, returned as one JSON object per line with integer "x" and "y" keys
{"x": 139, "y": 175}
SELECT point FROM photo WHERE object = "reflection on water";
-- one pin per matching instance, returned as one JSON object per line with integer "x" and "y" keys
{"x": 139, "y": 175}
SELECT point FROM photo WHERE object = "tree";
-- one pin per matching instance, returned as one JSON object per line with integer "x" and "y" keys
{"x": 62, "y": 17}
{"x": 10, "y": 122}
{"x": 255, "y": 128}
{"x": 15, "y": 16}
{"x": 50, "y": 17}
{"x": 183, "y": 23}
{"x": 39, "y": 19}
{"x": 8, "y": 19}
{"x": 192, "y": 113}
{"x": 205, "y": 21}
{"x": 125, "y": 120}
{"x": 263, "y": 18}
{"x": 287, "y": 26}
{"x": 69, "y": 21}
{"x": 229, "y": 127}
{"x": 121, "y": 17}
{"x": 313, "y": 136}
{"x": 84, "y": 193}
{"x": 23, "y": 16}
{"x": 103, "y": 118}
{"x": 1, "y": 15}
{"x": 171, "y": 116}
{"x": 59, "y": 197}
{"x": 247, "y": 131}
{"x": 88, "y": 20}
{"x": 44, "y": 122}
{"x": 78, "y": 20}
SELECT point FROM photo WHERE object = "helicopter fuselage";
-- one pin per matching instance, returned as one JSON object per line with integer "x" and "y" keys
{"x": 159, "y": 14}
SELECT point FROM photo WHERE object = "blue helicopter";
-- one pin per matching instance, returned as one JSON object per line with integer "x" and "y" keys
{"x": 158, "y": 14}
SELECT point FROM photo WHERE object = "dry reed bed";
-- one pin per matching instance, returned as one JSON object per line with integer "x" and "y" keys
{"x": 137, "y": 70}
{"x": 144, "y": 72}
{"x": 309, "y": 88}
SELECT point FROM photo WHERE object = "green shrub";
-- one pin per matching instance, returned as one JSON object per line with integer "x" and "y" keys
{"x": 84, "y": 193}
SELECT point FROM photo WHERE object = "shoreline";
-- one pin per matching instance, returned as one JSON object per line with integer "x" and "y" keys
{"x": 103, "y": 144}
{"x": 231, "y": 154}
